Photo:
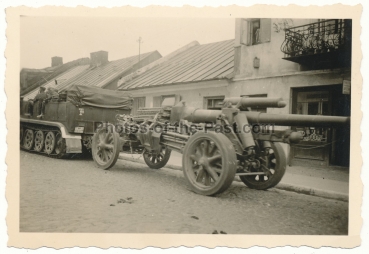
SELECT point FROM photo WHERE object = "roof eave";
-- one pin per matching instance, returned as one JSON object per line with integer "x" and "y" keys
{"x": 178, "y": 83}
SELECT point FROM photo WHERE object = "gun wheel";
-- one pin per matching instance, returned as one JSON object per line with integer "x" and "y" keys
{"x": 105, "y": 147}
{"x": 209, "y": 163}
{"x": 157, "y": 160}
{"x": 274, "y": 161}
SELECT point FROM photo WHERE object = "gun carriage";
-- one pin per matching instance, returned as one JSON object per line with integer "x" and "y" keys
{"x": 217, "y": 145}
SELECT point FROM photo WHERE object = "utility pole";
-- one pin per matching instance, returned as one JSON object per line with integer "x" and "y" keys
{"x": 139, "y": 49}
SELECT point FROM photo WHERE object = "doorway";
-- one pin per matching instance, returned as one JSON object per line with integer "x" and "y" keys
{"x": 321, "y": 146}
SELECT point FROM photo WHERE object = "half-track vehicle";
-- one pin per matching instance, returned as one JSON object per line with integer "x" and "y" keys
{"x": 217, "y": 145}
{"x": 68, "y": 121}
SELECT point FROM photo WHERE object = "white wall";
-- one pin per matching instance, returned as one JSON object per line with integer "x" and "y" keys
{"x": 192, "y": 93}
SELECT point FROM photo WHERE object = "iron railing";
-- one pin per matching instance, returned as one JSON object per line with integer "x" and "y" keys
{"x": 315, "y": 38}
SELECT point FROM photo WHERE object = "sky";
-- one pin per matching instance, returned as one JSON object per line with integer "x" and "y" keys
{"x": 76, "y": 37}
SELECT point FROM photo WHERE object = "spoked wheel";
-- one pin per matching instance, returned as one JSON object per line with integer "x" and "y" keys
{"x": 157, "y": 160}
{"x": 60, "y": 147}
{"x": 28, "y": 139}
{"x": 50, "y": 142}
{"x": 105, "y": 147}
{"x": 209, "y": 163}
{"x": 39, "y": 141}
{"x": 274, "y": 161}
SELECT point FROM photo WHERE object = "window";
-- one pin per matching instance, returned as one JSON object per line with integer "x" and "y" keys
{"x": 313, "y": 103}
{"x": 258, "y": 109}
{"x": 213, "y": 102}
{"x": 166, "y": 100}
{"x": 138, "y": 102}
{"x": 255, "y": 31}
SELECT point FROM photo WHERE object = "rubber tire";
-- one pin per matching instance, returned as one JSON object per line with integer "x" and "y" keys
{"x": 280, "y": 169}
{"x": 229, "y": 163}
{"x": 116, "y": 150}
{"x": 161, "y": 163}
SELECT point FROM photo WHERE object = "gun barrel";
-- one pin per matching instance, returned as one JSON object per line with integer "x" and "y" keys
{"x": 195, "y": 115}
{"x": 244, "y": 102}
{"x": 297, "y": 120}
{"x": 203, "y": 115}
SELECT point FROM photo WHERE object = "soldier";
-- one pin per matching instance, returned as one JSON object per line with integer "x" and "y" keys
{"x": 52, "y": 93}
{"x": 39, "y": 98}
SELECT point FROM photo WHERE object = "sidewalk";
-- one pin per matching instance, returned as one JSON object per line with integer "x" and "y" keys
{"x": 329, "y": 182}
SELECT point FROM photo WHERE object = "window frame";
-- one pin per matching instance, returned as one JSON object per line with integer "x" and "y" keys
{"x": 247, "y": 31}
{"x": 134, "y": 110}
{"x": 218, "y": 97}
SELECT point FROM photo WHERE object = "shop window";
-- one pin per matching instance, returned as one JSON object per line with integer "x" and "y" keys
{"x": 313, "y": 103}
{"x": 255, "y": 31}
{"x": 258, "y": 109}
{"x": 213, "y": 102}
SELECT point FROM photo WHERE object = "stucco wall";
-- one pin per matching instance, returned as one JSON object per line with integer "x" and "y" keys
{"x": 192, "y": 93}
{"x": 269, "y": 53}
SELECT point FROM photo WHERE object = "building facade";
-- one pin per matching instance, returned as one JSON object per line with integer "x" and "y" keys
{"x": 308, "y": 64}
{"x": 197, "y": 74}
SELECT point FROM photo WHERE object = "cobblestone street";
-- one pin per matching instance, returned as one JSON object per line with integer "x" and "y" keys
{"x": 76, "y": 196}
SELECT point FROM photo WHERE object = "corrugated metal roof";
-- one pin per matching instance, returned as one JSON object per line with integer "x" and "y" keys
{"x": 101, "y": 75}
{"x": 62, "y": 79}
{"x": 37, "y": 79}
{"x": 198, "y": 63}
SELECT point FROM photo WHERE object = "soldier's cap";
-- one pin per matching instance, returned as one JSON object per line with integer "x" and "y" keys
{"x": 42, "y": 88}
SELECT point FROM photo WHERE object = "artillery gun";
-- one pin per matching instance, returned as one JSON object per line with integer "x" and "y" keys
{"x": 217, "y": 145}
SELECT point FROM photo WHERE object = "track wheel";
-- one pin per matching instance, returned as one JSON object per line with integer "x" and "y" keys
{"x": 49, "y": 142}
{"x": 28, "y": 139}
{"x": 60, "y": 147}
{"x": 157, "y": 160}
{"x": 39, "y": 141}
{"x": 274, "y": 161}
{"x": 209, "y": 163}
{"x": 105, "y": 147}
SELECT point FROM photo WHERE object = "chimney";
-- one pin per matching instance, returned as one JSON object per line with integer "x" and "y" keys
{"x": 56, "y": 61}
{"x": 99, "y": 58}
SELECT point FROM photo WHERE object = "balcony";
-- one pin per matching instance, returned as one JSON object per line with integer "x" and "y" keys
{"x": 320, "y": 45}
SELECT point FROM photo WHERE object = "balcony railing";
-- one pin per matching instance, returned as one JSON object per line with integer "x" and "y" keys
{"x": 328, "y": 36}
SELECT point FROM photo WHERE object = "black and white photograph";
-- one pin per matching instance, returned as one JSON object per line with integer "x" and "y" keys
{"x": 228, "y": 126}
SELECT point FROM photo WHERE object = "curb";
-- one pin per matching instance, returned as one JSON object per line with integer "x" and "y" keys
{"x": 280, "y": 186}
{"x": 312, "y": 192}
